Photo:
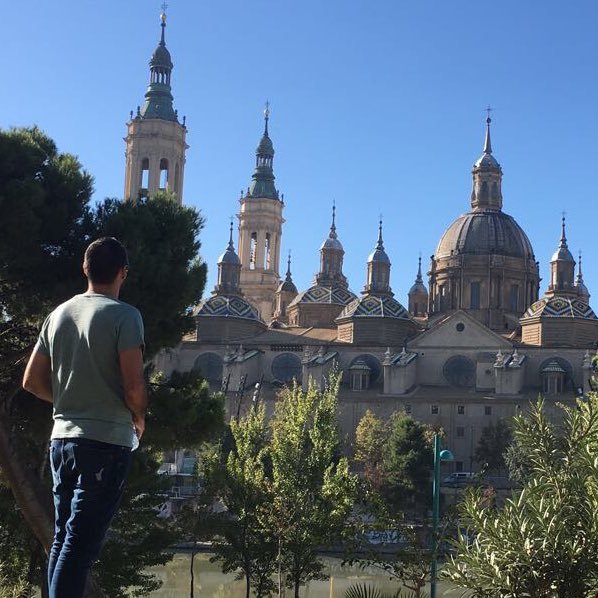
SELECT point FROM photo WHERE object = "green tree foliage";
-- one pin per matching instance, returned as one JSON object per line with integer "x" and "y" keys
{"x": 46, "y": 222}
{"x": 370, "y": 439}
{"x": 242, "y": 544}
{"x": 182, "y": 412}
{"x": 165, "y": 276}
{"x": 544, "y": 540}
{"x": 407, "y": 464}
{"x": 313, "y": 491}
{"x": 396, "y": 458}
{"x": 494, "y": 442}
{"x": 287, "y": 491}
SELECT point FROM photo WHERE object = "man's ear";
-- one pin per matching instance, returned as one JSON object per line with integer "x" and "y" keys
{"x": 85, "y": 269}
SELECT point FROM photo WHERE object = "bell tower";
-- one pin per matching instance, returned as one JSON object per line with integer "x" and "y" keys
{"x": 260, "y": 230}
{"x": 156, "y": 140}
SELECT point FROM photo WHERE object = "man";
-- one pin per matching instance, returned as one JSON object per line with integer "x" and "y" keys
{"x": 88, "y": 362}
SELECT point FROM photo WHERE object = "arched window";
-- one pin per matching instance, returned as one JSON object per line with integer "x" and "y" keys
{"x": 209, "y": 365}
{"x": 253, "y": 251}
{"x": 267, "y": 249}
{"x": 144, "y": 178}
{"x": 484, "y": 191}
{"x": 494, "y": 190}
{"x": 287, "y": 367}
{"x": 176, "y": 178}
{"x": 163, "y": 173}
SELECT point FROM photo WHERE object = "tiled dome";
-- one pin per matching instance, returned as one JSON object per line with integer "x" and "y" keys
{"x": 485, "y": 232}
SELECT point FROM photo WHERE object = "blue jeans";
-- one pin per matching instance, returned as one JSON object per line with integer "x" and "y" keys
{"x": 88, "y": 483}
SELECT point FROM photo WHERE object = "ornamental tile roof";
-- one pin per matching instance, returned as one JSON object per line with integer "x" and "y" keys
{"x": 229, "y": 306}
{"x": 375, "y": 306}
{"x": 560, "y": 307}
{"x": 325, "y": 294}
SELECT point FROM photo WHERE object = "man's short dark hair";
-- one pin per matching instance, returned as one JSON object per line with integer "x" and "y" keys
{"x": 104, "y": 259}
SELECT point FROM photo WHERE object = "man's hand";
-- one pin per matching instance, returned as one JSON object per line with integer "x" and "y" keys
{"x": 139, "y": 424}
{"x": 131, "y": 368}
{"x": 38, "y": 376}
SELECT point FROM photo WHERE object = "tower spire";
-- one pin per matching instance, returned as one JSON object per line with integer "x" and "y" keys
{"x": 579, "y": 278}
{"x": 488, "y": 143}
{"x": 163, "y": 23}
{"x": 262, "y": 183}
{"x": 231, "y": 245}
{"x": 266, "y": 118}
{"x": 333, "y": 234}
{"x": 582, "y": 290}
{"x": 158, "y": 97}
{"x": 563, "y": 241}
{"x": 380, "y": 244}
{"x": 418, "y": 278}
{"x": 288, "y": 277}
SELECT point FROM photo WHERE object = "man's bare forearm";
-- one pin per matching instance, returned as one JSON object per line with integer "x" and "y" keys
{"x": 37, "y": 378}
{"x": 136, "y": 401}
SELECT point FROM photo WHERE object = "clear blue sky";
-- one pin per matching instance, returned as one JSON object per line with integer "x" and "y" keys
{"x": 377, "y": 104}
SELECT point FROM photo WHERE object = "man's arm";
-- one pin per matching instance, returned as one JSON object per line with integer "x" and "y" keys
{"x": 131, "y": 368}
{"x": 38, "y": 376}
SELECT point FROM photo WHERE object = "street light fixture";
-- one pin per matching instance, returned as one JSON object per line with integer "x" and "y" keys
{"x": 439, "y": 456}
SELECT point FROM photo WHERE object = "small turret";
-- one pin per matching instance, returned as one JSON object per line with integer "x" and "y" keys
{"x": 562, "y": 268}
{"x": 487, "y": 178}
{"x": 331, "y": 258}
{"x": 582, "y": 290}
{"x": 285, "y": 293}
{"x": 418, "y": 294}
{"x": 378, "y": 277}
{"x": 229, "y": 270}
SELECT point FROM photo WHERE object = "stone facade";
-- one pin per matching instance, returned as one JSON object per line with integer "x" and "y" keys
{"x": 478, "y": 347}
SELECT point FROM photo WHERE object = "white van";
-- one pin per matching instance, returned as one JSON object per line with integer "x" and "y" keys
{"x": 459, "y": 478}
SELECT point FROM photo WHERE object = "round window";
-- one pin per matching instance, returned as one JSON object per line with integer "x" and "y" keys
{"x": 459, "y": 371}
{"x": 460, "y": 327}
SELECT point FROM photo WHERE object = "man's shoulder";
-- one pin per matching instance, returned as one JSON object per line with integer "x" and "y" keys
{"x": 127, "y": 309}
{"x": 97, "y": 305}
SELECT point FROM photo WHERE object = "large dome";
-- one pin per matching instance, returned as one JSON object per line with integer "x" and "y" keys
{"x": 485, "y": 232}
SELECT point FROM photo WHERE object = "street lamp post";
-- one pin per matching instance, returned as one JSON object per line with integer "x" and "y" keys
{"x": 439, "y": 456}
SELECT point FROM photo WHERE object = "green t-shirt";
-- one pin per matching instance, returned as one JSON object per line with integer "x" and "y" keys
{"x": 83, "y": 338}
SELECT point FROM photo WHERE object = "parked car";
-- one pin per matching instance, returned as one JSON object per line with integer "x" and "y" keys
{"x": 459, "y": 478}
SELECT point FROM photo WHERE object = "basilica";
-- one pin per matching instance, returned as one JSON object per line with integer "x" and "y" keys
{"x": 475, "y": 340}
